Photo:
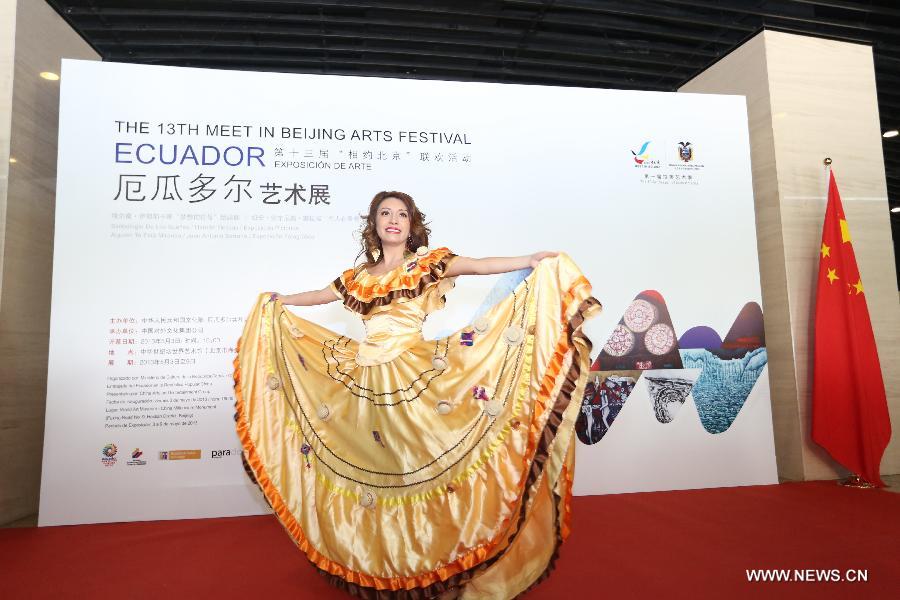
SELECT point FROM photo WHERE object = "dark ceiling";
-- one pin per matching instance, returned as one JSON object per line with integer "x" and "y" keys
{"x": 628, "y": 44}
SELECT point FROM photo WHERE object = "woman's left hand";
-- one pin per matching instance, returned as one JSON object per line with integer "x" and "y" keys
{"x": 538, "y": 256}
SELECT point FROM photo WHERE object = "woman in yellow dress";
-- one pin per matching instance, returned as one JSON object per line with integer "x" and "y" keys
{"x": 413, "y": 468}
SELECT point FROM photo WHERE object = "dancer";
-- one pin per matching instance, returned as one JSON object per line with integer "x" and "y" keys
{"x": 413, "y": 468}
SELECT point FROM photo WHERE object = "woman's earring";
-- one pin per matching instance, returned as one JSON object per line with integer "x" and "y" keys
{"x": 376, "y": 253}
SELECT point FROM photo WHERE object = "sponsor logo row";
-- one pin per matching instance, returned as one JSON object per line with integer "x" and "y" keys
{"x": 670, "y": 163}
{"x": 676, "y": 154}
{"x": 109, "y": 452}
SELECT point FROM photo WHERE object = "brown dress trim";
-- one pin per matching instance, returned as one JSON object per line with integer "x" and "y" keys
{"x": 434, "y": 274}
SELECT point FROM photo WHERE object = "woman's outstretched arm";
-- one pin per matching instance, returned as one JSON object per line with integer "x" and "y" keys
{"x": 498, "y": 264}
{"x": 323, "y": 296}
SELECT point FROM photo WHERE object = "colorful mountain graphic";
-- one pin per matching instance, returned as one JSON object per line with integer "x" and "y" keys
{"x": 700, "y": 337}
{"x": 643, "y": 339}
{"x": 719, "y": 374}
{"x": 668, "y": 389}
{"x": 604, "y": 397}
{"x": 724, "y": 384}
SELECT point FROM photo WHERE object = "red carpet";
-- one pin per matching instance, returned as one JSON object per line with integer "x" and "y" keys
{"x": 685, "y": 544}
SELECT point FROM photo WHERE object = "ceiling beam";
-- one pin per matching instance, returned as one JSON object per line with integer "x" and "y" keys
{"x": 323, "y": 65}
{"x": 137, "y": 51}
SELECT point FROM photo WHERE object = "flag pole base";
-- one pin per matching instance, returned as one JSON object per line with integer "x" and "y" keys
{"x": 855, "y": 481}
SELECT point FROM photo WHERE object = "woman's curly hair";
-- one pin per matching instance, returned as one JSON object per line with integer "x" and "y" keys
{"x": 371, "y": 243}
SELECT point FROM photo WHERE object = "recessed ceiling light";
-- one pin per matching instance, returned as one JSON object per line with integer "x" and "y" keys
{"x": 12, "y": 160}
{"x": 890, "y": 133}
{"x": 895, "y": 209}
{"x": 50, "y": 76}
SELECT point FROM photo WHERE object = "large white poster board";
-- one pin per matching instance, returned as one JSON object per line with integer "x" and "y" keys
{"x": 182, "y": 193}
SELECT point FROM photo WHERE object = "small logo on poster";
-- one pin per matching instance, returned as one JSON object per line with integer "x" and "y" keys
{"x": 220, "y": 453}
{"x": 179, "y": 455}
{"x": 641, "y": 155}
{"x": 136, "y": 460}
{"x": 108, "y": 455}
{"x": 642, "y": 158}
{"x": 685, "y": 151}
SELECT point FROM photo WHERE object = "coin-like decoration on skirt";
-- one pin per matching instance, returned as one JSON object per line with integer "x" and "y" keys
{"x": 367, "y": 499}
{"x": 322, "y": 412}
{"x": 444, "y": 407}
{"x": 295, "y": 331}
{"x": 273, "y": 382}
{"x": 439, "y": 362}
{"x": 513, "y": 335}
{"x": 492, "y": 407}
{"x": 481, "y": 325}
{"x": 421, "y": 250}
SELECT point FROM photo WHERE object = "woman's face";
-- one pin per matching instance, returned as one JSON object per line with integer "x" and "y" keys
{"x": 392, "y": 221}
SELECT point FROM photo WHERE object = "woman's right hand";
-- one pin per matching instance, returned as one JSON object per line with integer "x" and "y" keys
{"x": 537, "y": 257}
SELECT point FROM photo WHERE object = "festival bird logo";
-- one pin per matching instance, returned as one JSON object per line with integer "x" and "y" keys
{"x": 641, "y": 155}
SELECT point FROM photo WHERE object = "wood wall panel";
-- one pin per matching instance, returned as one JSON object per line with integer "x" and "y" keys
{"x": 809, "y": 98}
{"x": 41, "y": 40}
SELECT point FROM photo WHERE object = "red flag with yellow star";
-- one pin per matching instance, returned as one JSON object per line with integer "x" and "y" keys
{"x": 850, "y": 415}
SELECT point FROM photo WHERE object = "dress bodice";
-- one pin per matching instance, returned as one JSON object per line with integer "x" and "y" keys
{"x": 394, "y": 305}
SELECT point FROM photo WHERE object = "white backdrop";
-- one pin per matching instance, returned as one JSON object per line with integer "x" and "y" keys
{"x": 156, "y": 264}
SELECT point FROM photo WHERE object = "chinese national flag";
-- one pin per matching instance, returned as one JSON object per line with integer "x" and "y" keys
{"x": 850, "y": 415}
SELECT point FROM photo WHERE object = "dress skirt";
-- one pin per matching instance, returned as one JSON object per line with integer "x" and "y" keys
{"x": 411, "y": 468}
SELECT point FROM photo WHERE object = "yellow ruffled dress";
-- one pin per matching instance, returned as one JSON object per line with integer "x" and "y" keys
{"x": 405, "y": 467}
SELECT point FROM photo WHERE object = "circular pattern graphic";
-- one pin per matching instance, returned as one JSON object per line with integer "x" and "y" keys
{"x": 443, "y": 407}
{"x": 620, "y": 342}
{"x": 639, "y": 316}
{"x": 322, "y": 412}
{"x": 273, "y": 382}
{"x": 421, "y": 250}
{"x": 659, "y": 339}
{"x": 295, "y": 331}
{"x": 439, "y": 363}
